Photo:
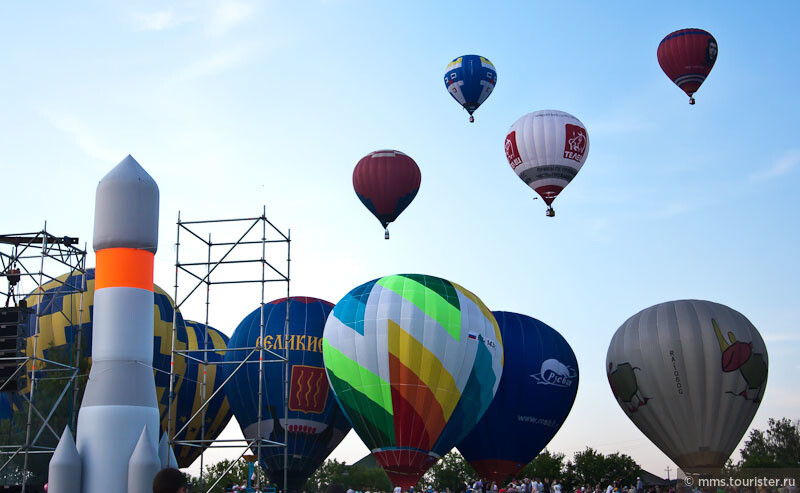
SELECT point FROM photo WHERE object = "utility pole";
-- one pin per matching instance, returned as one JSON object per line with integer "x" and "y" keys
{"x": 668, "y": 469}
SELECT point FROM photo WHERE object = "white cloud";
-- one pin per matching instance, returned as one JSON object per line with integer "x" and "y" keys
{"x": 672, "y": 210}
{"x": 782, "y": 337}
{"x": 84, "y": 137}
{"x": 227, "y": 15}
{"x": 159, "y": 20}
{"x": 785, "y": 163}
{"x": 214, "y": 63}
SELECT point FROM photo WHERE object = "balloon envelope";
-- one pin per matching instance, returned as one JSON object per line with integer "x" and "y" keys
{"x": 315, "y": 424}
{"x": 470, "y": 79}
{"x": 190, "y": 394}
{"x": 690, "y": 374}
{"x": 59, "y": 322}
{"x": 386, "y": 182}
{"x": 687, "y": 57}
{"x": 536, "y": 392}
{"x": 414, "y": 361}
{"x": 547, "y": 149}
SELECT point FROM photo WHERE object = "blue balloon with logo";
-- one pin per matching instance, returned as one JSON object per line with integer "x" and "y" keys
{"x": 535, "y": 395}
{"x": 470, "y": 79}
{"x": 315, "y": 424}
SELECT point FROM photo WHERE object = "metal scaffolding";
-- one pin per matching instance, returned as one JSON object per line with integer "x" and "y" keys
{"x": 240, "y": 251}
{"x": 27, "y": 262}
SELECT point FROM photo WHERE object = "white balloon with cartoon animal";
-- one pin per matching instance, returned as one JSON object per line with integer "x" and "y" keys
{"x": 690, "y": 374}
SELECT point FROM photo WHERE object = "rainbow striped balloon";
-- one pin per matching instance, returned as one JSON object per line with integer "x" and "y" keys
{"x": 414, "y": 362}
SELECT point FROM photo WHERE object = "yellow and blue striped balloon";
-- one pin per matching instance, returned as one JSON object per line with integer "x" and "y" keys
{"x": 60, "y": 318}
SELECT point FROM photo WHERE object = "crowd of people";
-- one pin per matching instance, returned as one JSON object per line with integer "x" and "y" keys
{"x": 537, "y": 485}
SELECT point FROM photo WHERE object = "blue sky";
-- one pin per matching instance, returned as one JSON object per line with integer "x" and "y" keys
{"x": 231, "y": 105}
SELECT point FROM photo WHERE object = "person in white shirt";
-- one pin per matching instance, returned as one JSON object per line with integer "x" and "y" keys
{"x": 556, "y": 486}
{"x": 398, "y": 489}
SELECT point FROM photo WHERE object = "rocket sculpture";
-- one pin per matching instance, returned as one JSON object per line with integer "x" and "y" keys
{"x": 119, "y": 412}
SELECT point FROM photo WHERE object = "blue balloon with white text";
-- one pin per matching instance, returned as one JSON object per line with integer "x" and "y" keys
{"x": 535, "y": 395}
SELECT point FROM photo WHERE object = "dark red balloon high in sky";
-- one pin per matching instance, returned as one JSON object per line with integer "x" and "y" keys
{"x": 687, "y": 56}
{"x": 386, "y": 182}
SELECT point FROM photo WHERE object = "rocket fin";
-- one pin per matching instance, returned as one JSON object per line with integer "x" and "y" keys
{"x": 143, "y": 465}
{"x": 64, "y": 475}
{"x": 166, "y": 454}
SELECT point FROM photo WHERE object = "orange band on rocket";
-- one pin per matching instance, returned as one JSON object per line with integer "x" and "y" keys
{"x": 124, "y": 268}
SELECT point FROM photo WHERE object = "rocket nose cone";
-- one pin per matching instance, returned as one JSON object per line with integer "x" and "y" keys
{"x": 126, "y": 208}
{"x": 127, "y": 170}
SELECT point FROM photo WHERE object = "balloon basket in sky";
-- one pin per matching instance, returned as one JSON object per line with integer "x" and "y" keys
{"x": 687, "y": 56}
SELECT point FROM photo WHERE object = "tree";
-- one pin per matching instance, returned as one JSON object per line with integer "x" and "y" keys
{"x": 622, "y": 468}
{"x": 544, "y": 465}
{"x": 49, "y": 387}
{"x": 237, "y": 475}
{"x": 361, "y": 478}
{"x": 586, "y": 467}
{"x": 590, "y": 467}
{"x": 333, "y": 473}
{"x": 778, "y": 446}
{"x": 449, "y": 472}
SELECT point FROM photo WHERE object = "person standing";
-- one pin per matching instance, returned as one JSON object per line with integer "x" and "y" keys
{"x": 170, "y": 480}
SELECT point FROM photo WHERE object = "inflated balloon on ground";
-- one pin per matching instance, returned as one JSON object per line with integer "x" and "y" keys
{"x": 691, "y": 375}
{"x": 535, "y": 396}
{"x": 414, "y": 361}
{"x": 315, "y": 425}
{"x": 59, "y": 323}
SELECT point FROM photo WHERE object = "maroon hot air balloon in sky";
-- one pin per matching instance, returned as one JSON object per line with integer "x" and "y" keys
{"x": 687, "y": 56}
{"x": 386, "y": 182}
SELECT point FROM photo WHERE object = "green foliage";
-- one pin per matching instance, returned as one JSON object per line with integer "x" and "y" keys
{"x": 237, "y": 475}
{"x": 359, "y": 478}
{"x": 544, "y": 465}
{"x": 590, "y": 467}
{"x": 331, "y": 472}
{"x": 778, "y": 446}
{"x": 48, "y": 387}
{"x": 449, "y": 472}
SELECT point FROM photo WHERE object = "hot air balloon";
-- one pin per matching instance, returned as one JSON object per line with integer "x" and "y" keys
{"x": 539, "y": 384}
{"x": 414, "y": 361}
{"x": 190, "y": 394}
{"x": 547, "y": 149}
{"x": 687, "y": 56}
{"x": 470, "y": 79}
{"x": 315, "y": 424}
{"x": 691, "y": 375}
{"x": 58, "y": 327}
{"x": 386, "y": 182}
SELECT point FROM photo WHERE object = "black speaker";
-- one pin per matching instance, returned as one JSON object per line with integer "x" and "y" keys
{"x": 14, "y": 323}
